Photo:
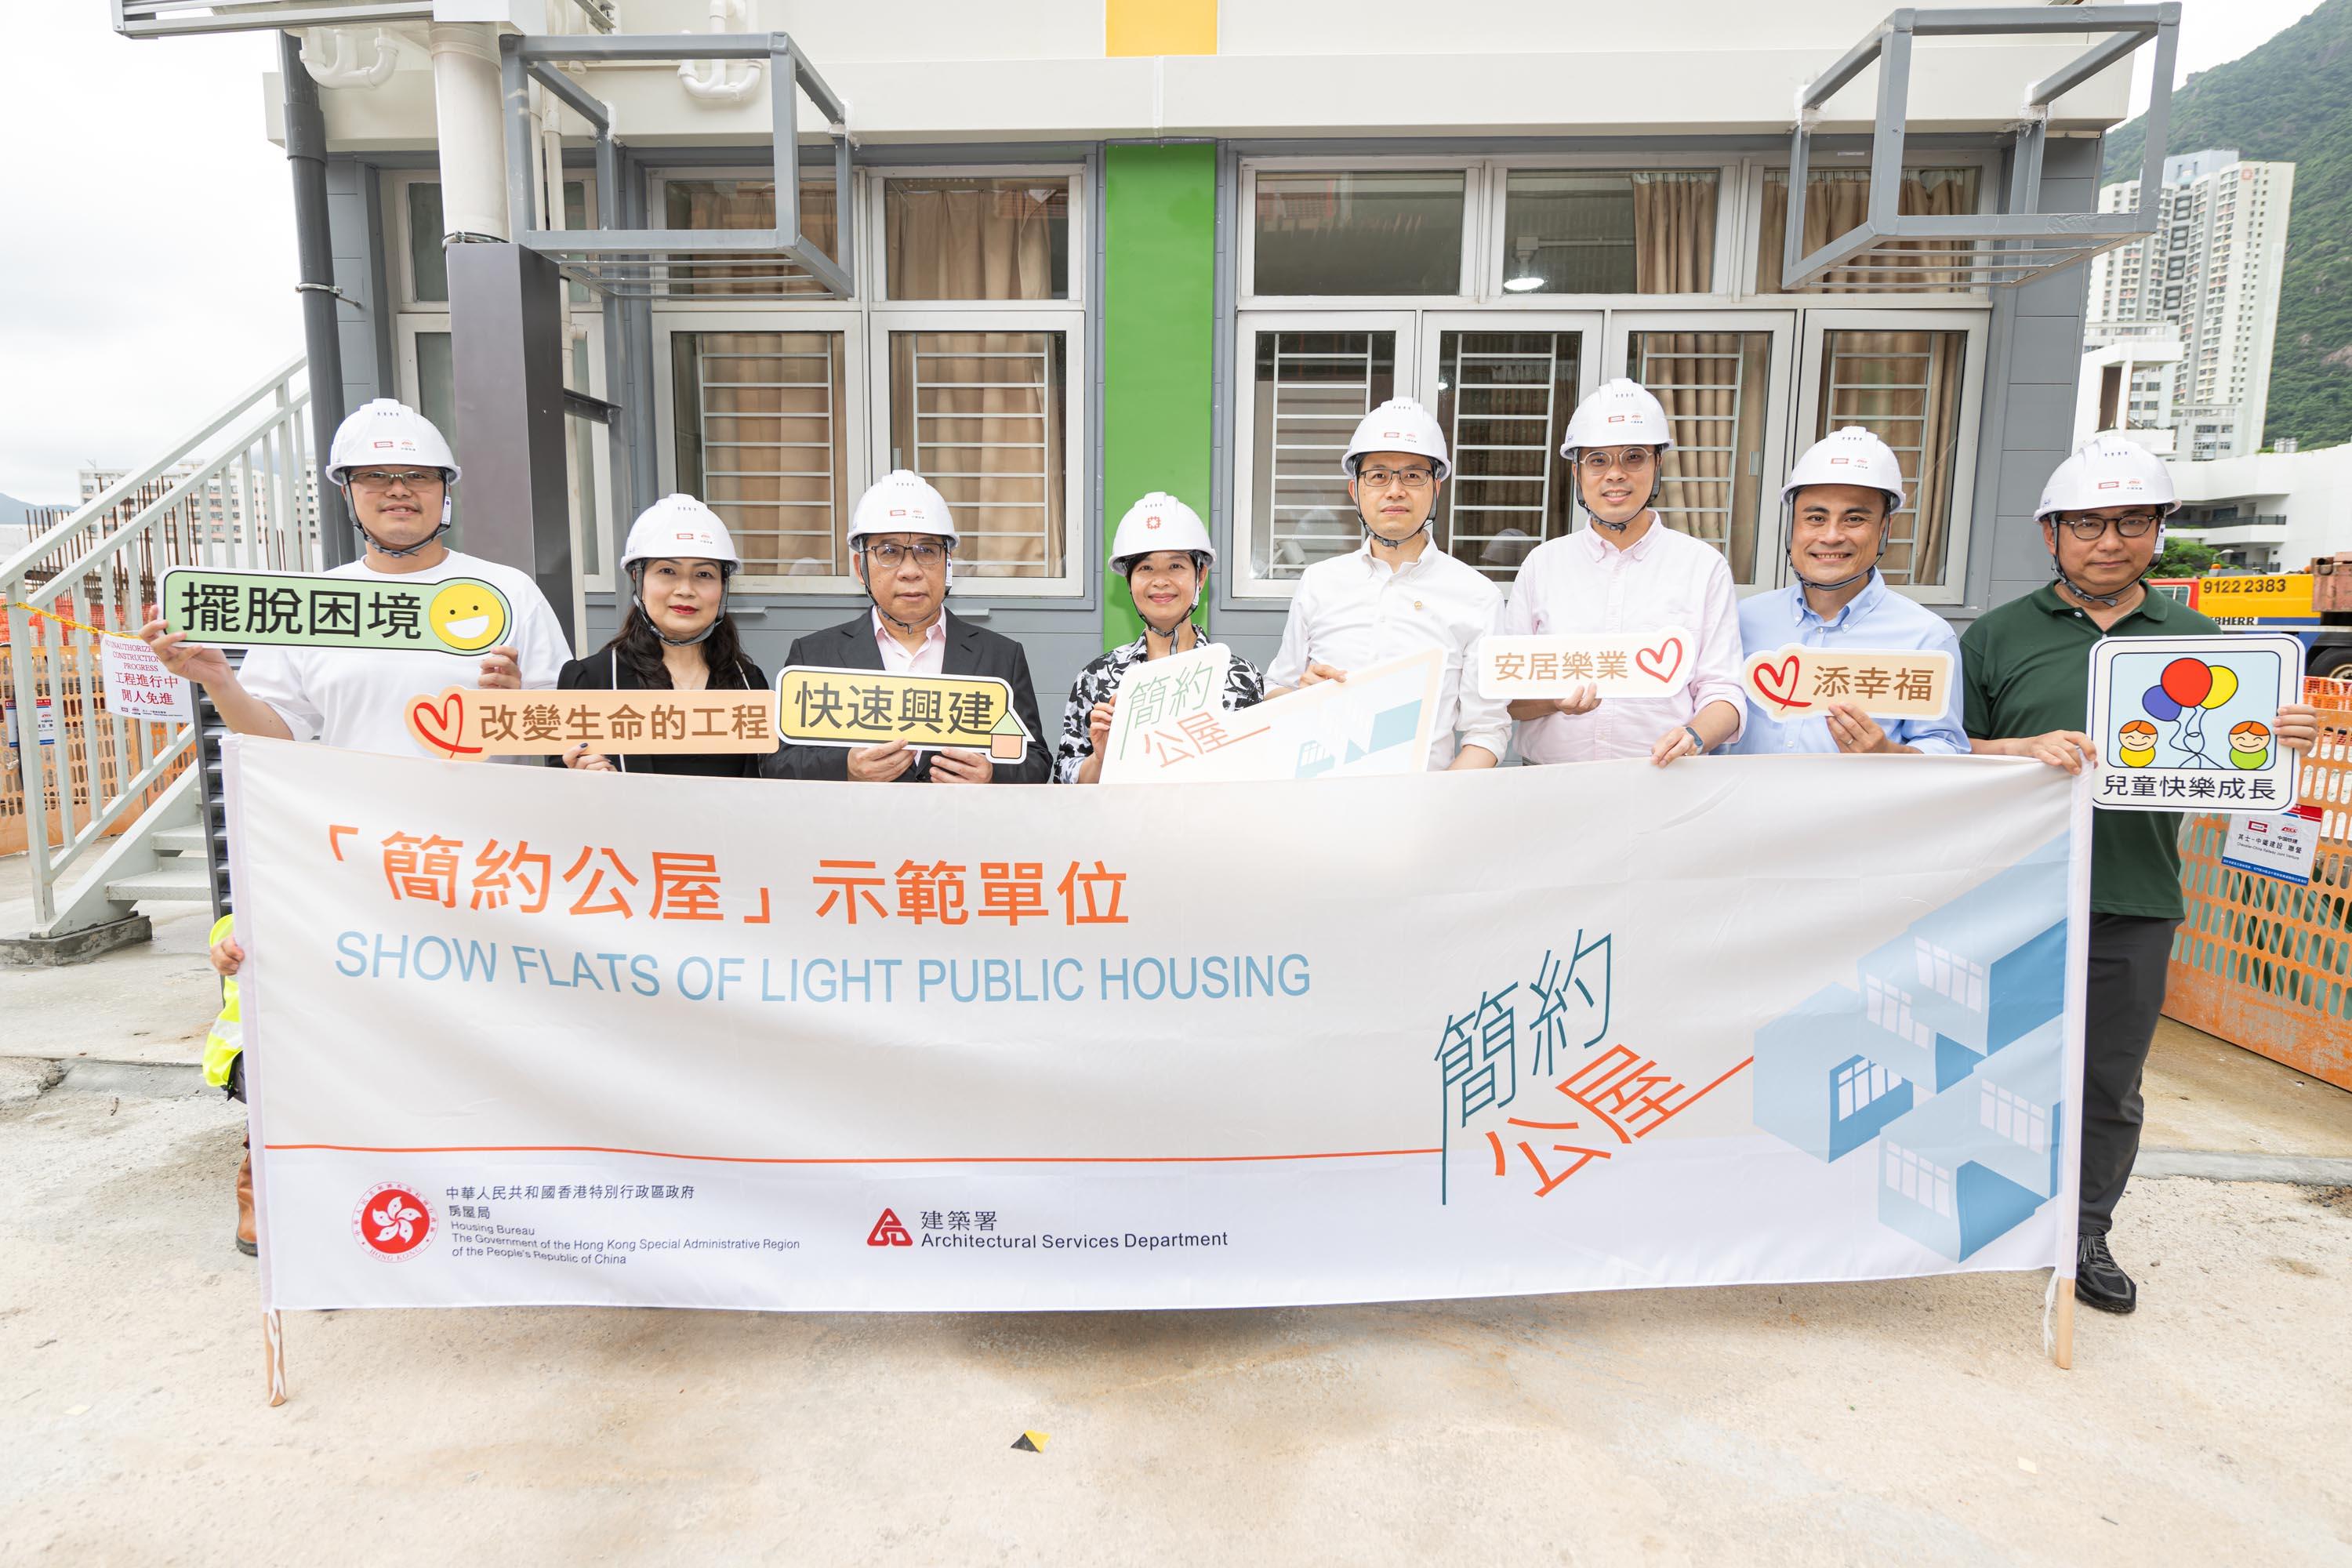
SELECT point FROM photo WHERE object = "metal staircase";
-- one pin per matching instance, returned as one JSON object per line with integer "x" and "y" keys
{"x": 114, "y": 815}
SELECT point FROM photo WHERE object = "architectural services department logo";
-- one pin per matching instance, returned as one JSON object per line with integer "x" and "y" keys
{"x": 391, "y": 1221}
{"x": 888, "y": 1232}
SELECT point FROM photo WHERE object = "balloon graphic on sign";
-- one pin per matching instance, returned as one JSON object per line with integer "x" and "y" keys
{"x": 2160, "y": 704}
{"x": 2187, "y": 681}
{"x": 2225, "y": 686}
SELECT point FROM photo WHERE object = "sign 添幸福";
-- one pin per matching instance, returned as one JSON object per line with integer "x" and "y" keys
{"x": 1797, "y": 680}
{"x": 462, "y": 615}
{"x": 461, "y": 722}
{"x": 818, "y": 705}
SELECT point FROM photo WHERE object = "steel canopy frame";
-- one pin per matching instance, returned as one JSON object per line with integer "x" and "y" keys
{"x": 633, "y": 262}
{"x": 2004, "y": 248}
{"x": 177, "y": 18}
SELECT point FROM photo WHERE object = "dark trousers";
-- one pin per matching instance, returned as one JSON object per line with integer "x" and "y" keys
{"x": 2128, "y": 954}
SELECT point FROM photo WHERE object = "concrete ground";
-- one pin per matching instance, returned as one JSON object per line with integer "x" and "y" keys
{"x": 1916, "y": 1422}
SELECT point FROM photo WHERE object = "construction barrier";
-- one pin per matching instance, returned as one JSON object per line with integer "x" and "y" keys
{"x": 2260, "y": 961}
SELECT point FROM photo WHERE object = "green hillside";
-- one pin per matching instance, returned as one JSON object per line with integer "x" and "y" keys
{"x": 2289, "y": 101}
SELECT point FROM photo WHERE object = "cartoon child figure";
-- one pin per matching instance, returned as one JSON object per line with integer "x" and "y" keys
{"x": 2136, "y": 744}
{"x": 2250, "y": 745}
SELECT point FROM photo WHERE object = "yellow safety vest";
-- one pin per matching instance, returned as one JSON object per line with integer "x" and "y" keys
{"x": 227, "y": 1037}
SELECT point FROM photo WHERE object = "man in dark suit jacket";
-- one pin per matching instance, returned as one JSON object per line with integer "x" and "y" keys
{"x": 900, "y": 538}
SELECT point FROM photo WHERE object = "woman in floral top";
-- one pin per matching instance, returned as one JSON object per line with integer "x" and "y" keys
{"x": 1163, "y": 551}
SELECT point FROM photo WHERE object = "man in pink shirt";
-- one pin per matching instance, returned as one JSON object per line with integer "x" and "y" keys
{"x": 1628, "y": 572}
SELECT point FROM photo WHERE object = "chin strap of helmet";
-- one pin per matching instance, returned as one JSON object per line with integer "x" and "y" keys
{"x": 2104, "y": 601}
{"x": 637, "y": 589}
{"x": 1657, "y": 483}
{"x": 1789, "y": 533}
{"x": 1383, "y": 541}
{"x": 448, "y": 506}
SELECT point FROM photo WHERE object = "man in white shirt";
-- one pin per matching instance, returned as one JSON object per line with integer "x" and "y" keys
{"x": 397, "y": 472}
{"x": 1628, "y": 572}
{"x": 1398, "y": 593}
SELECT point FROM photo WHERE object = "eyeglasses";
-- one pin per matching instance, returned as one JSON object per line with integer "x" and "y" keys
{"x": 372, "y": 480}
{"x": 1597, "y": 462}
{"x": 1380, "y": 478}
{"x": 2131, "y": 526}
{"x": 889, "y": 554}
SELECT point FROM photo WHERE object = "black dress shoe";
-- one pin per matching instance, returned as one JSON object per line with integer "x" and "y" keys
{"x": 2099, "y": 1281}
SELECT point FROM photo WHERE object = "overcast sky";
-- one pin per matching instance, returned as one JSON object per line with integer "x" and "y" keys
{"x": 147, "y": 263}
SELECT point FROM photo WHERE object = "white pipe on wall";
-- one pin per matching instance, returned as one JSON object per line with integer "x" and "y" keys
{"x": 723, "y": 85}
{"x": 330, "y": 56}
{"x": 466, "y": 111}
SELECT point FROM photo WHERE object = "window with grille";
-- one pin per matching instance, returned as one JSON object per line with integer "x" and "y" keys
{"x": 1716, "y": 388}
{"x": 761, "y": 439}
{"x": 1503, "y": 402}
{"x": 2014, "y": 1117}
{"x": 1906, "y": 388}
{"x": 1311, "y": 389}
{"x": 1890, "y": 1009}
{"x": 1859, "y": 1083}
{"x": 980, "y": 415}
{"x": 1946, "y": 973}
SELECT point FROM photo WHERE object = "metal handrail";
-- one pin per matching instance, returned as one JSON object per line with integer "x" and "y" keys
{"x": 248, "y": 502}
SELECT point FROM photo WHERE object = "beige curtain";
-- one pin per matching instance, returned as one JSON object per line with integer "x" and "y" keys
{"x": 1906, "y": 387}
{"x": 981, "y": 414}
{"x": 1712, "y": 385}
{"x": 1674, "y": 233}
{"x": 1836, "y": 201}
{"x": 761, "y": 439}
{"x": 745, "y": 204}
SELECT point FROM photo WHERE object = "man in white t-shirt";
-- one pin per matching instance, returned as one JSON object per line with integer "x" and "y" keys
{"x": 396, "y": 472}
{"x": 1398, "y": 593}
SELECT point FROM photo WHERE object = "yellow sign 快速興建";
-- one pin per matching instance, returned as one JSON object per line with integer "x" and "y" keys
{"x": 821, "y": 706}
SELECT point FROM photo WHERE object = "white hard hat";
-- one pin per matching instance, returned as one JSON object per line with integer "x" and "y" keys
{"x": 1850, "y": 456}
{"x": 901, "y": 502}
{"x": 1159, "y": 522}
{"x": 682, "y": 529}
{"x": 2108, "y": 469}
{"x": 1399, "y": 425}
{"x": 388, "y": 431}
{"x": 1620, "y": 413}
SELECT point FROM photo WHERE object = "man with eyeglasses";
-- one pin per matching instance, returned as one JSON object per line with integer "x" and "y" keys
{"x": 1841, "y": 502}
{"x": 1397, "y": 593}
{"x": 396, "y": 472}
{"x": 1628, "y": 572}
{"x": 902, "y": 541}
{"x": 2025, "y": 670}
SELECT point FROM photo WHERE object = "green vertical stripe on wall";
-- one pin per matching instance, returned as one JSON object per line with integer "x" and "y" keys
{"x": 1160, "y": 265}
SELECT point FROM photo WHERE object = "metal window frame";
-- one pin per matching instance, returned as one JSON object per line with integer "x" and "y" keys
{"x": 1998, "y": 249}
{"x": 180, "y": 19}
{"x": 631, "y": 263}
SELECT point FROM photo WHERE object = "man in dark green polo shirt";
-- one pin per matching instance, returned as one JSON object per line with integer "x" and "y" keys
{"x": 2026, "y": 668}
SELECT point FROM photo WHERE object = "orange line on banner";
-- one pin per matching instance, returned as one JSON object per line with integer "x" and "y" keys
{"x": 78, "y": 625}
{"x": 851, "y": 1160}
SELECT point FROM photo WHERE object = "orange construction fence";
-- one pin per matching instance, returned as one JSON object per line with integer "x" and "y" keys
{"x": 2260, "y": 961}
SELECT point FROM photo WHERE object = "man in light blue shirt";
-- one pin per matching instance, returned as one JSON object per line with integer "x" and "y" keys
{"x": 1842, "y": 497}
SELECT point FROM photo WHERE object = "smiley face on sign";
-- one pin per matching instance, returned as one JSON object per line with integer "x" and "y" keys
{"x": 466, "y": 615}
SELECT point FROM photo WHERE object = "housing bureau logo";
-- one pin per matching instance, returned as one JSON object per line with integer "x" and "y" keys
{"x": 392, "y": 1221}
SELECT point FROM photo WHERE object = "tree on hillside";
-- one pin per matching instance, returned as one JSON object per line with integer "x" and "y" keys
{"x": 2290, "y": 101}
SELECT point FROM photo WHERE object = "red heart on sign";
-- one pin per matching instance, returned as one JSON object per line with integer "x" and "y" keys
{"x": 1778, "y": 681}
{"x": 441, "y": 725}
{"x": 1660, "y": 663}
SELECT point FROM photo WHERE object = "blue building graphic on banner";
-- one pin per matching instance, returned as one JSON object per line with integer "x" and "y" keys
{"x": 1949, "y": 1052}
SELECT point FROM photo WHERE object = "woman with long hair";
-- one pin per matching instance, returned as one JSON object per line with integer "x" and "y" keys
{"x": 676, "y": 635}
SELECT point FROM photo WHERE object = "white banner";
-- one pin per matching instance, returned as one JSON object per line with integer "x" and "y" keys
{"x": 518, "y": 1035}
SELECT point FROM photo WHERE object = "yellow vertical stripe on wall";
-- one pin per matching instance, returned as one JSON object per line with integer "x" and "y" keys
{"x": 1160, "y": 27}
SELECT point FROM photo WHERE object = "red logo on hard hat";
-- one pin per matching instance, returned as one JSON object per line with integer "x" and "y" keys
{"x": 386, "y": 443}
{"x": 897, "y": 511}
{"x": 1152, "y": 522}
{"x": 888, "y": 1232}
{"x": 2110, "y": 484}
{"x": 1618, "y": 418}
{"x": 1392, "y": 435}
{"x": 391, "y": 1221}
{"x": 1835, "y": 462}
